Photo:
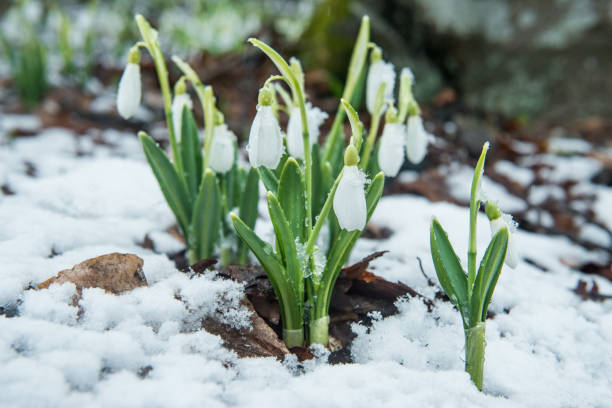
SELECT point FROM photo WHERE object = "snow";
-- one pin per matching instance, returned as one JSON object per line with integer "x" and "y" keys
{"x": 546, "y": 347}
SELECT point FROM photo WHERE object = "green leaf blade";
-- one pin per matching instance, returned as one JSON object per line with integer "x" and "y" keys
{"x": 448, "y": 268}
{"x": 291, "y": 198}
{"x": 191, "y": 152}
{"x": 172, "y": 187}
{"x": 206, "y": 219}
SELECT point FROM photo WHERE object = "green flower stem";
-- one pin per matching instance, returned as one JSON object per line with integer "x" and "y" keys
{"x": 475, "y": 343}
{"x": 474, "y": 205}
{"x": 150, "y": 37}
{"x": 319, "y": 330}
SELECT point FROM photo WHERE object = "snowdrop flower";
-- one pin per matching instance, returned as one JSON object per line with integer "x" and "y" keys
{"x": 391, "y": 149}
{"x": 314, "y": 117}
{"x": 378, "y": 73}
{"x": 222, "y": 149}
{"x": 265, "y": 146}
{"x": 180, "y": 101}
{"x": 499, "y": 220}
{"x": 416, "y": 139}
{"x": 349, "y": 200}
{"x": 130, "y": 92}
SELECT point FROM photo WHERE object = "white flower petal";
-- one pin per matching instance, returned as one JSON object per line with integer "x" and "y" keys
{"x": 378, "y": 73}
{"x": 129, "y": 92}
{"x": 315, "y": 118}
{"x": 222, "y": 149}
{"x": 349, "y": 200}
{"x": 265, "y": 146}
{"x": 391, "y": 150}
{"x": 416, "y": 139}
{"x": 178, "y": 103}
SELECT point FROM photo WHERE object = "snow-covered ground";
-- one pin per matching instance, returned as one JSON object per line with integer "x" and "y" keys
{"x": 145, "y": 348}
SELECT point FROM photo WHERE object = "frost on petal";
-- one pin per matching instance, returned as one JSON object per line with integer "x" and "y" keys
{"x": 416, "y": 140}
{"x": 179, "y": 102}
{"x": 391, "y": 150}
{"x": 222, "y": 149}
{"x": 265, "y": 146}
{"x": 505, "y": 221}
{"x": 349, "y": 200}
{"x": 378, "y": 73}
{"x": 129, "y": 92}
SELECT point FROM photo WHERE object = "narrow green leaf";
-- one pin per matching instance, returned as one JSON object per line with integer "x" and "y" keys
{"x": 448, "y": 268}
{"x": 291, "y": 198}
{"x": 488, "y": 274}
{"x": 286, "y": 244}
{"x": 342, "y": 245}
{"x": 275, "y": 271}
{"x": 279, "y": 61}
{"x": 171, "y": 186}
{"x": 206, "y": 219}
{"x": 191, "y": 152}
{"x": 268, "y": 178}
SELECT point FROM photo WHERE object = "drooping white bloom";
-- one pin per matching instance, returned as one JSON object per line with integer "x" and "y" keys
{"x": 179, "y": 102}
{"x": 416, "y": 139}
{"x": 512, "y": 256}
{"x": 349, "y": 200}
{"x": 391, "y": 150}
{"x": 129, "y": 92}
{"x": 315, "y": 118}
{"x": 379, "y": 72}
{"x": 222, "y": 149}
{"x": 265, "y": 146}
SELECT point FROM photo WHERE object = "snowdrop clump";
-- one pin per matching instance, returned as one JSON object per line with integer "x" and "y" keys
{"x": 202, "y": 183}
{"x": 471, "y": 293}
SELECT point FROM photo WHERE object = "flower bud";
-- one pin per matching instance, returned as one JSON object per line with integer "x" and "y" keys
{"x": 265, "y": 146}
{"x": 314, "y": 117}
{"x": 416, "y": 139}
{"x": 221, "y": 157}
{"x": 349, "y": 200}
{"x": 130, "y": 91}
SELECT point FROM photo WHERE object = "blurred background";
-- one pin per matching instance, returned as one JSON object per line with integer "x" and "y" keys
{"x": 527, "y": 60}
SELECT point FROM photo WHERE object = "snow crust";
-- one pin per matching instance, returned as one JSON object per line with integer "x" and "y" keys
{"x": 546, "y": 347}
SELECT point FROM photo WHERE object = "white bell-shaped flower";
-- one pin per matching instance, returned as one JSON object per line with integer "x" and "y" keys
{"x": 349, "y": 200}
{"x": 315, "y": 118}
{"x": 379, "y": 72}
{"x": 506, "y": 221}
{"x": 391, "y": 149}
{"x": 265, "y": 146}
{"x": 179, "y": 102}
{"x": 221, "y": 157}
{"x": 130, "y": 91}
{"x": 416, "y": 139}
